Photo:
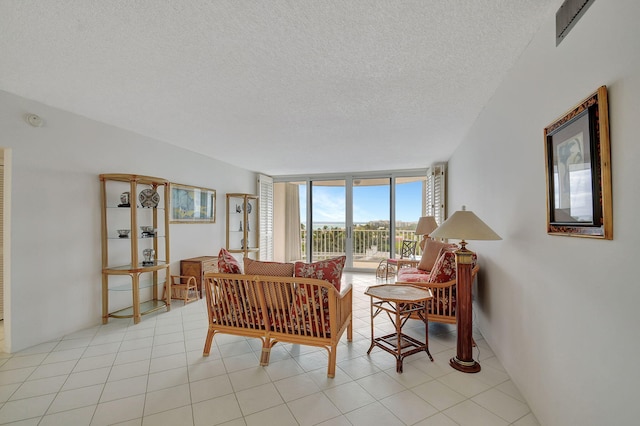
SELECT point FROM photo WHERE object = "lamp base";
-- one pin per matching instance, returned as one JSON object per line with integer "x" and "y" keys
{"x": 423, "y": 241}
{"x": 464, "y": 366}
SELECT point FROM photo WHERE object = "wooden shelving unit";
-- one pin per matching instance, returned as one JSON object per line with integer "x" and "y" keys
{"x": 124, "y": 268}
{"x": 242, "y": 225}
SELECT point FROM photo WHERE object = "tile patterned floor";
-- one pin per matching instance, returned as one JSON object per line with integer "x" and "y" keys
{"x": 153, "y": 373}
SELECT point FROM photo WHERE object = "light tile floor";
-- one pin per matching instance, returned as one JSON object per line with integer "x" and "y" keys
{"x": 153, "y": 373}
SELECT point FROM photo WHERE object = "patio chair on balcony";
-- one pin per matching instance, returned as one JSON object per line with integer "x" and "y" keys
{"x": 389, "y": 267}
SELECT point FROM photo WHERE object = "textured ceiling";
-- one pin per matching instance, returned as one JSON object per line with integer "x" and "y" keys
{"x": 280, "y": 87}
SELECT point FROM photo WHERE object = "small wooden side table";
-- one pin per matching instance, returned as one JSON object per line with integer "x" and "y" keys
{"x": 399, "y": 301}
{"x": 197, "y": 267}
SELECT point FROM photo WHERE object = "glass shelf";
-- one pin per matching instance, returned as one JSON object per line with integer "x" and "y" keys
{"x": 139, "y": 207}
{"x": 129, "y": 238}
{"x": 145, "y": 308}
{"x": 141, "y": 285}
{"x": 158, "y": 264}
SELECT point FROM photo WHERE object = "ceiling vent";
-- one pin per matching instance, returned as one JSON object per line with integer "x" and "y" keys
{"x": 568, "y": 15}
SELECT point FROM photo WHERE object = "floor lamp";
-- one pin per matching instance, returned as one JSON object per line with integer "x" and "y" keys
{"x": 464, "y": 225}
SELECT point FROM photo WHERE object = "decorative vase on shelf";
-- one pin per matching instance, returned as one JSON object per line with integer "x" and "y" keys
{"x": 148, "y": 256}
{"x": 125, "y": 199}
{"x": 240, "y": 226}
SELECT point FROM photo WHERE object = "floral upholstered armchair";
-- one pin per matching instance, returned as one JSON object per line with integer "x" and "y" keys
{"x": 438, "y": 273}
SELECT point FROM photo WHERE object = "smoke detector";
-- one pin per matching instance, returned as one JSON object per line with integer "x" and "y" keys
{"x": 34, "y": 120}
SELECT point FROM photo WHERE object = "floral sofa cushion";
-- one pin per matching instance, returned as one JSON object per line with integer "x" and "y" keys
{"x": 315, "y": 321}
{"x": 445, "y": 267}
{"x": 328, "y": 270}
{"x": 412, "y": 275}
{"x": 233, "y": 308}
{"x": 307, "y": 298}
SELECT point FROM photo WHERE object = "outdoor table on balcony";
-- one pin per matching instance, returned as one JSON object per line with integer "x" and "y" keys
{"x": 399, "y": 302}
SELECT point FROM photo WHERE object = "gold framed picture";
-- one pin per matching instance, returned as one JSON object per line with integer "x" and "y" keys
{"x": 192, "y": 204}
{"x": 578, "y": 171}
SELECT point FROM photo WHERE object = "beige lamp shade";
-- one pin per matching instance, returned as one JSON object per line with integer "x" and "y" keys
{"x": 465, "y": 225}
{"x": 426, "y": 225}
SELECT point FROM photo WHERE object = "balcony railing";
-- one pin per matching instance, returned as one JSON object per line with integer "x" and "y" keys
{"x": 368, "y": 245}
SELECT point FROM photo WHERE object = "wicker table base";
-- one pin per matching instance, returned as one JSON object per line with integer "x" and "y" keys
{"x": 399, "y": 302}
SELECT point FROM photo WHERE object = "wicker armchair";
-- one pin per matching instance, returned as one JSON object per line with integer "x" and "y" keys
{"x": 442, "y": 308}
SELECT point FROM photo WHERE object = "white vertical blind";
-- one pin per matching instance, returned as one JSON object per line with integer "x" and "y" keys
{"x": 435, "y": 196}
{"x": 265, "y": 185}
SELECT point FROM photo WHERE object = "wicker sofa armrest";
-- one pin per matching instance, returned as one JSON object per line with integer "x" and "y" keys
{"x": 344, "y": 311}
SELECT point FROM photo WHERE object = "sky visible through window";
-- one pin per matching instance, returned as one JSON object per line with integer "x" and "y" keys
{"x": 372, "y": 203}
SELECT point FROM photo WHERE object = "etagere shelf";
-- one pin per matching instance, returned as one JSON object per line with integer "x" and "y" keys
{"x": 137, "y": 261}
{"x": 242, "y": 225}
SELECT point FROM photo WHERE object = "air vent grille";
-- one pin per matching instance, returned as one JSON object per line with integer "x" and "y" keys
{"x": 568, "y": 15}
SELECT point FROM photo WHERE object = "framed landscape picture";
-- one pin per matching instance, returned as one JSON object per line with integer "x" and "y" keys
{"x": 577, "y": 151}
{"x": 191, "y": 204}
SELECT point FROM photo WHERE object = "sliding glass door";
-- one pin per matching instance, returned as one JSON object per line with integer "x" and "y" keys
{"x": 371, "y": 220}
{"x": 409, "y": 206}
{"x": 364, "y": 218}
{"x": 328, "y": 230}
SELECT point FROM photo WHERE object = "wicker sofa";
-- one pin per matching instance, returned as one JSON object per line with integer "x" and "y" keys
{"x": 441, "y": 279}
{"x": 298, "y": 310}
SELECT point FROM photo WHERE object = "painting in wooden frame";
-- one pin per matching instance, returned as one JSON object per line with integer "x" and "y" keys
{"x": 578, "y": 171}
{"x": 192, "y": 204}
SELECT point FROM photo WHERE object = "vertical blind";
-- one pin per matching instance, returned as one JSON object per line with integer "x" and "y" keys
{"x": 435, "y": 195}
{"x": 265, "y": 185}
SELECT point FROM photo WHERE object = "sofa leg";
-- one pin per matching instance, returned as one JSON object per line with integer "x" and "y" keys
{"x": 207, "y": 343}
{"x": 331, "y": 369}
{"x": 266, "y": 353}
{"x": 350, "y": 331}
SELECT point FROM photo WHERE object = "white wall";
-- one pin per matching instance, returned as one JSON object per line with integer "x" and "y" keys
{"x": 56, "y": 255}
{"x": 561, "y": 313}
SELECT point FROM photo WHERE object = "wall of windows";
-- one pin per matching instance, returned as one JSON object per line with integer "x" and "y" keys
{"x": 362, "y": 216}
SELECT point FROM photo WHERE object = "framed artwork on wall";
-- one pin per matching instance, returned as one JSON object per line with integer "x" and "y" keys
{"x": 191, "y": 204}
{"x": 578, "y": 171}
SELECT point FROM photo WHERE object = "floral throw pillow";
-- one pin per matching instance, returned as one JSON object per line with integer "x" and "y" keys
{"x": 430, "y": 254}
{"x": 227, "y": 264}
{"x": 445, "y": 267}
{"x": 328, "y": 270}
